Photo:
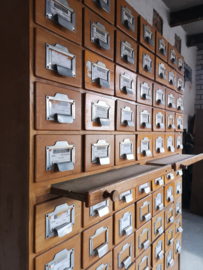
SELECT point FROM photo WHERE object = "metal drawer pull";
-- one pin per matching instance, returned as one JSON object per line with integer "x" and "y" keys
{"x": 160, "y": 125}
{"x": 128, "y": 230}
{"x": 178, "y": 246}
{"x": 99, "y": 72}
{"x": 160, "y": 255}
{"x": 170, "y": 198}
{"x": 169, "y": 194}
{"x": 145, "y": 188}
{"x": 172, "y": 149}
{"x": 170, "y": 176}
{"x": 171, "y": 219}
{"x": 100, "y": 209}
{"x": 159, "y": 250}
{"x": 127, "y": 52}
{"x": 103, "y": 4}
{"x": 170, "y": 241}
{"x": 180, "y": 229}
{"x": 160, "y": 230}
{"x": 159, "y": 181}
{"x": 127, "y": 261}
{"x": 145, "y": 245}
{"x": 147, "y": 153}
{"x": 171, "y": 263}
{"x": 179, "y": 172}
{"x": 172, "y": 126}
{"x": 125, "y": 224}
{"x": 63, "y": 229}
{"x": 147, "y": 216}
{"x": 146, "y": 125}
{"x": 159, "y": 202}
{"x": 126, "y": 196}
{"x": 101, "y": 152}
{"x": 102, "y": 249}
{"x": 148, "y": 35}
{"x": 160, "y": 206}
{"x": 103, "y": 267}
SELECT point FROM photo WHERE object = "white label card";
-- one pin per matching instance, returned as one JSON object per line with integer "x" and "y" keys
{"x": 126, "y": 116}
{"x": 61, "y": 263}
{"x": 126, "y": 82}
{"x": 60, "y": 155}
{"x": 99, "y": 34}
{"x": 170, "y": 142}
{"x": 101, "y": 112}
{"x": 127, "y": 16}
{"x": 58, "y": 219}
{"x": 159, "y": 119}
{"x": 126, "y": 148}
{"x": 101, "y": 73}
{"x": 159, "y": 144}
{"x": 144, "y": 146}
{"x": 101, "y": 151}
{"x": 144, "y": 118}
{"x": 127, "y": 51}
{"x": 60, "y": 10}
{"x": 60, "y": 107}
{"x": 61, "y": 59}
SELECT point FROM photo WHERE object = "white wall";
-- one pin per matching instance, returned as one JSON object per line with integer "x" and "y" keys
{"x": 145, "y": 9}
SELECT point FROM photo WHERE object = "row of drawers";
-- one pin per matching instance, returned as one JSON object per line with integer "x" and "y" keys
{"x": 99, "y": 34}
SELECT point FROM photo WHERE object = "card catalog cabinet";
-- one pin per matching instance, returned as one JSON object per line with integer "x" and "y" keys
{"x": 144, "y": 118}
{"x": 172, "y": 56}
{"x": 161, "y": 71}
{"x": 146, "y": 63}
{"x": 159, "y": 120}
{"x": 144, "y": 91}
{"x": 126, "y": 116}
{"x": 158, "y": 144}
{"x": 144, "y": 146}
{"x": 159, "y": 96}
{"x": 147, "y": 35}
{"x": 161, "y": 47}
{"x": 125, "y": 149}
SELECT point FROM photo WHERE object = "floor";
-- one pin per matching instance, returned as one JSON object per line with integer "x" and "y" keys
{"x": 192, "y": 242}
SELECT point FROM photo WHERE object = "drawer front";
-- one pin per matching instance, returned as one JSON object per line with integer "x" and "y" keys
{"x": 144, "y": 261}
{"x": 172, "y": 78}
{"x": 159, "y": 120}
{"x": 158, "y": 250}
{"x": 170, "y": 100}
{"x": 179, "y": 142}
{"x": 99, "y": 152}
{"x": 158, "y": 225}
{"x": 144, "y": 118}
{"x": 147, "y": 35}
{"x": 125, "y": 83}
{"x": 126, "y": 18}
{"x": 99, "y": 112}
{"x": 123, "y": 254}
{"x": 157, "y": 201}
{"x": 105, "y": 10}
{"x": 96, "y": 242}
{"x": 144, "y": 91}
{"x": 124, "y": 223}
{"x": 172, "y": 56}
{"x": 178, "y": 206}
{"x": 144, "y": 146}
{"x": 160, "y": 264}
{"x": 178, "y": 188}
{"x": 178, "y": 226}
{"x": 158, "y": 144}
{"x": 169, "y": 259}
{"x": 143, "y": 211}
{"x": 146, "y": 63}
{"x": 50, "y": 150}
{"x": 169, "y": 193}
{"x": 126, "y": 51}
{"x": 132, "y": 267}
{"x": 170, "y": 121}
{"x": 169, "y": 215}
{"x": 57, "y": 108}
{"x": 178, "y": 174}
{"x": 161, "y": 47}
{"x": 158, "y": 183}
{"x": 125, "y": 116}
{"x": 161, "y": 72}
{"x": 125, "y": 198}
{"x": 96, "y": 213}
{"x": 142, "y": 239}
{"x": 180, "y": 65}
{"x": 49, "y": 50}
{"x": 99, "y": 74}
{"x": 98, "y": 34}
{"x": 66, "y": 255}
{"x": 170, "y": 143}
{"x": 170, "y": 177}
{"x": 177, "y": 246}
{"x": 169, "y": 237}
{"x": 179, "y": 103}
{"x": 125, "y": 149}
{"x": 180, "y": 84}
{"x": 47, "y": 14}
{"x": 179, "y": 122}
{"x": 105, "y": 263}
{"x": 143, "y": 190}
{"x": 159, "y": 96}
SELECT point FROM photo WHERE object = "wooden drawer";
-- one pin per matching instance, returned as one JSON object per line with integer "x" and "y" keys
{"x": 158, "y": 225}
{"x": 180, "y": 64}
{"x": 68, "y": 251}
{"x": 158, "y": 250}
{"x": 179, "y": 103}
{"x": 146, "y": 63}
{"x": 69, "y": 27}
{"x": 161, "y": 72}
{"x": 126, "y": 51}
{"x": 125, "y": 83}
{"x": 98, "y": 34}
{"x": 180, "y": 84}
{"x": 157, "y": 183}
{"x": 178, "y": 226}
{"x": 159, "y": 120}
{"x": 144, "y": 261}
{"x": 132, "y": 266}
{"x": 170, "y": 143}
{"x": 105, "y": 10}
{"x": 123, "y": 254}
{"x": 147, "y": 35}
{"x": 171, "y": 78}
{"x": 144, "y": 91}
{"x": 96, "y": 157}
{"x": 177, "y": 246}
{"x": 144, "y": 146}
{"x": 179, "y": 122}
{"x": 178, "y": 141}
{"x": 143, "y": 211}
{"x": 124, "y": 224}
{"x": 169, "y": 193}
{"x": 56, "y": 221}
{"x": 142, "y": 239}
{"x": 125, "y": 147}
{"x": 144, "y": 118}
{"x": 178, "y": 188}
{"x": 143, "y": 190}
{"x": 170, "y": 177}
{"x": 161, "y": 47}
{"x": 159, "y": 96}
{"x": 157, "y": 202}
{"x": 103, "y": 263}
{"x": 158, "y": 144}
{"x": 48, "y": 46}
{"x": 96, "y": 213}
{"x": 99, "y": 112}
{"x": 96, "y": 242}
{"x": 126, "y": 18}
{"x": 169, "y": 215}
{"x": 57, "y": 108}
{"x": 99, "y": 74}
{"x": 169, "y": 259}
{"x": 160, "y": 265}
{"x": 178, "y": 206}
{"x": 178, "y": 174}
{"x": 125, "y": 198}
{"x": 169, "y": 237}
{"x": 170, "y": 100}
{"x": 172, "y": 56}
{"x": 125, "y": 116}
{"x": 48, "y": 163}
{"x": 170, "y": 121}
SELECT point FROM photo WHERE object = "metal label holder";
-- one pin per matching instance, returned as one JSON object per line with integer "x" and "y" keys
{"x": 160, "y": 120}
{"x": 101, "y": 74}
{"x": 125, "y": 224}
{"x": 169, "y": 259}
{"x": 173, "y": 57}
{"x": 145, "y": 258}
{"x": 180, "y": 64}
{"x": 170, "y": 219}
{"x": 169, "y": 194}
{"x": 127, "y": 52}
{"x": 125, "y": 263}
{"x": 101, "y": 113}
{"x": 160, "y": 97}
{"x": 170, "y": 241}
{"x": 159, "y": 181}
{"x": 171, "y": 102}
{"x": 159, "y": 202}
{"x": 99, "y": 35}
{"x": 104, "y": 4}
{"x": 127, "y": 116}
{"x": 179, "y": 143}
{"x": 159, "y": 267}
{"x": 102, "y": 249}
{"x": 180, "y": 104}
{"x": 170, "y": 144}
{"x": 170, "y": 175}
{"x": 145, "y": 188}
{"x": 127, "y": 18}
{"x": 178, "y": 227}
{"x": 171, "y": 118}
{"x": 178, "y": 247}
{"x": 160, "y": 229}
{"x": 160, "y": 145}
{"x": 103, "y": 267}
{"x": 126, "y": 196}
{"x": 146, "y": 122}
{"x": 148, "y": 35}
{"x": 145, "y": 91}
{"x": 145, "y": 147}
{"x": 103, "y": 158}
{"x": 162, "y": 46}
{"x": 162, "y": 71}
{"x": 171, "y": 78}
{"x": 159, "y": 250}
{"x": 100, "y": 209}
{"x": 65, "y": 256}
{"x": 178, "y": 208}
{"x": 147, "y": 216}
{"x": 147, "y": 63}
{"x": 145, "y": 244}
{"x": 179, "y": 188}
{"x": 180, "y": 85}
{"x": 179, "y": 122}
{"x": 125, "y": 154}
{"x": 126, "y": 83}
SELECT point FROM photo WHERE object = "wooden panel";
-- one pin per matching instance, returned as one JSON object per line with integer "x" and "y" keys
{"x": 142, "y": 155}
{"x": 132, "y": 266}
{"x": 87, "y": 258}
{"x": 143, "y": 41}
{"x": 43, "y": 20}
{"x": 141, "y": 94}
{"x": 179, "y": 103}
{"x": 157, "y": 185}
{"x": 41, "y": 210}
{"x": 119, "y": 253}
{"x": 119, "y": 87}
{"x": 157, "y": 199}
{"x": 173, "y": 51}
{"x": 94, "y": 86}
{"x": 180, "y": 84}
{"x": 120, "y": 4}
{"x": 156, "y": 102}
{"x": 157, "y": 116}
{"x": 157, "y": 223}
{"x": 155, "y": 259}
{"x": 41, "y": 39}
{"x": 121, "y": 203}
{"x": 179, "y": 238}
{"x": 161, "y": 262}
{"x": 141, "y": 70}
{"x": 169, "y": 215}
{"x": 162, "y": 79}
{"x": 107, "y": 259}
{"x": 43, "y": 141}
{"x": 160, "y": 50}
{"x": 43, "y": 259}
{"x": 178, "y": 206}
{"x": 89, "y": 18}
{"x": 178, "y": 188}
{"x": 142, "y": 236}
{"x": 143, "y": 207}
{"x": 140, "y": 192}
{"x": 121, "y": 125}
{"x": 166, "y": 255}
{"x": 91, "y": 99}
{"x": 118, "y": 237}
{"x": 180, "y": 71}
{"x": 170, "y": 121}
{"x": 170, "y": 100}
{"x": 122, "y": 38}
{"x": 178, "y": 226}
{"x": 109, "y": 16}
{"x": 41, "y": 92}
{"x": 179, "y": 122}
{"x": 169, "y": 235}
{"x": 140, "y": 119}
{"x": 169, "y": 142}
{"x": 122, "y": 158}
{"x": 141, "y": 262}
{"x": 157, "y": 144}
{"x": 167, "y": 193}
{"x": 170, "y": 85}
